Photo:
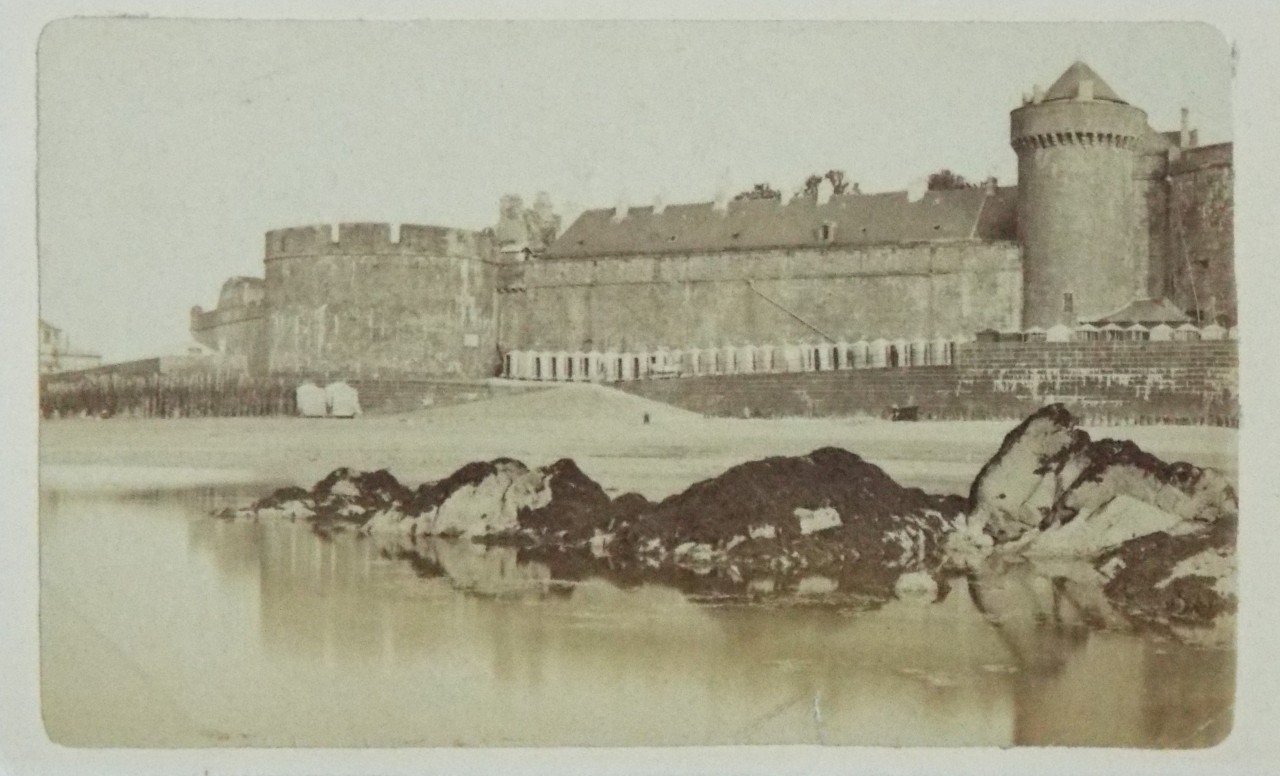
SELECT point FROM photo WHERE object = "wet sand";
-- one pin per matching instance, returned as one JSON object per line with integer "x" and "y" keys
{"x": 603, "y": 430}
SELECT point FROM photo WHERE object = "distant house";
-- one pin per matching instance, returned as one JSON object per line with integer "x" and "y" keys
{"x": 57, "y": 355}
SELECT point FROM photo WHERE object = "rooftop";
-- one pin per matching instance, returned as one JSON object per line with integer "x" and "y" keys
{"x": 1147, "y": 312}
{"x": 1067, "y": 87}
{"x": 758, "y": 224}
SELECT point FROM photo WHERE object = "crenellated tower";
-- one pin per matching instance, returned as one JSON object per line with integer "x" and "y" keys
{"x": 1078, "y": 145}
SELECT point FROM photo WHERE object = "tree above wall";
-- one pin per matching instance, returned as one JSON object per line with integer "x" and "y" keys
{"x": 946, "y": 179}
{"x": 759, "y": 191}
{"x": 839, "y": 183}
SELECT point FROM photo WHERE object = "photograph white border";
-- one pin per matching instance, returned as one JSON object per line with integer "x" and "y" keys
{"x": 1251, "y": 748}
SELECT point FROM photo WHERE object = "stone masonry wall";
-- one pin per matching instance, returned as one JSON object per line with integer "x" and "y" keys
{"x": 376, "y": 305}
{"x": 1201, "y": 261}
{"x": 703, "y": 300}
{"x": 239, "y": 330}
{"x": 1121, "y": 382}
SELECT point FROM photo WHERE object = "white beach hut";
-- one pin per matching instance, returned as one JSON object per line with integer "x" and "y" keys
{"x": 1059, "y": 333}
{"x": 1187, "y": 332}
{"x": 311, "y": 401}
{"x": 902, "y": 350}
{"x": 612, "y": 366}
{"x": 1137, "y": 332}
{"x": 791, "y": 357}
{"x": 1213, "y": 332}
{"x": 343, "y": 400}
{"x": 860, "y": 354}
{"x": 1087, "y": 332}
{"x": 879, "y": 352}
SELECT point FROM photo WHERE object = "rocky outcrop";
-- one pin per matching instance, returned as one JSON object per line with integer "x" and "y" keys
{"x": 1048, "y": 474}
{"x": 1106, "y": 524}
{"x": 1175, "y": 579}
{"x": 829, "y": 511}
{"x": 1160, "y": 536}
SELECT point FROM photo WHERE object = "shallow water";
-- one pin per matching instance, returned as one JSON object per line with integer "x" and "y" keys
{"x": 161, "y": 626}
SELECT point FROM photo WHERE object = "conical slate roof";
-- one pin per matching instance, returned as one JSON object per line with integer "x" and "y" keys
{"x": 1068, "y": 85}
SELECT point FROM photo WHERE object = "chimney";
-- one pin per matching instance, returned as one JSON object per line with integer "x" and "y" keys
{"x": 721, "y": 204}
{"x": 1184, "y": 130}
{"x": 1037, "y": 95}
{"x": 825, "y": 189}
{"x": 916, "y": 189}
{"x": 1085, "y": 90}
{"x": 659, "y": 204}
{"x": 620, "y": 210}
{"x": 990, "y": 185}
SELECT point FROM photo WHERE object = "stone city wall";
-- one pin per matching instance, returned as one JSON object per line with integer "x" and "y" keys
{"x": 710, "y": 300}
{"x": 238, "y": 330}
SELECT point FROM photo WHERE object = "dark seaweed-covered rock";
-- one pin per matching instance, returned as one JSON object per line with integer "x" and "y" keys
{"x": 577, "y": 507}
{"x": 827, "y": 510}
{"x": 1166, "y": 578}
{"x": 355, "y": 496}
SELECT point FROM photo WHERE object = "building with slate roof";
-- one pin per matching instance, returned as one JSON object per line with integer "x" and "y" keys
{"x": 1108, "y": 215}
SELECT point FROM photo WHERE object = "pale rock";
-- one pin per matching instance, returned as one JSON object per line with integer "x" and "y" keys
{"x": 691, "y": 552}
{"x": 815, "y": 584}
{"x": 1016, "y": 489}
{"x": 388, "y": 522}
{"x": 916, "y": 586}
{"x": 1123, "y": 518}
{"x": 345, "y": 488}
{"x": 599, "y": 544}
{"x": 1217, "y": 564}
{"x": 765, "y": 531}
{"x": 814, "y": 520}
{"x": 491, "y": 505}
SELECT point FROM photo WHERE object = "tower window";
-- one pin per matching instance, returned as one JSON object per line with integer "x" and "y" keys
{"x": 827, "y": 232}
{"x": 1068, "y": 305}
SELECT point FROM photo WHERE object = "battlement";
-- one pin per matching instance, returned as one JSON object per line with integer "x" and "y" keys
{"x": 376, "y": 238}
{"x": 1097, "y": 123}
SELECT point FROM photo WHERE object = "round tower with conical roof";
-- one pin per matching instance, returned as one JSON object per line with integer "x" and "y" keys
{"x": 1077, "y": 147}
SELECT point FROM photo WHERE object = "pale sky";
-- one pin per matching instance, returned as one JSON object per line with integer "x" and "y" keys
{"x": 168, "y": 147}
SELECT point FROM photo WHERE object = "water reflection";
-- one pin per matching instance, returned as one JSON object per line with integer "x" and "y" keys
{"x": 267, "y": 634}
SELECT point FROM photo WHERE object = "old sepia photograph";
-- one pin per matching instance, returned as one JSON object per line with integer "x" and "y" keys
{"x": 569, "y": 383}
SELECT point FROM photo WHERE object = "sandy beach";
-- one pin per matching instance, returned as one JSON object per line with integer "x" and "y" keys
{"x": 602, "y": 429}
